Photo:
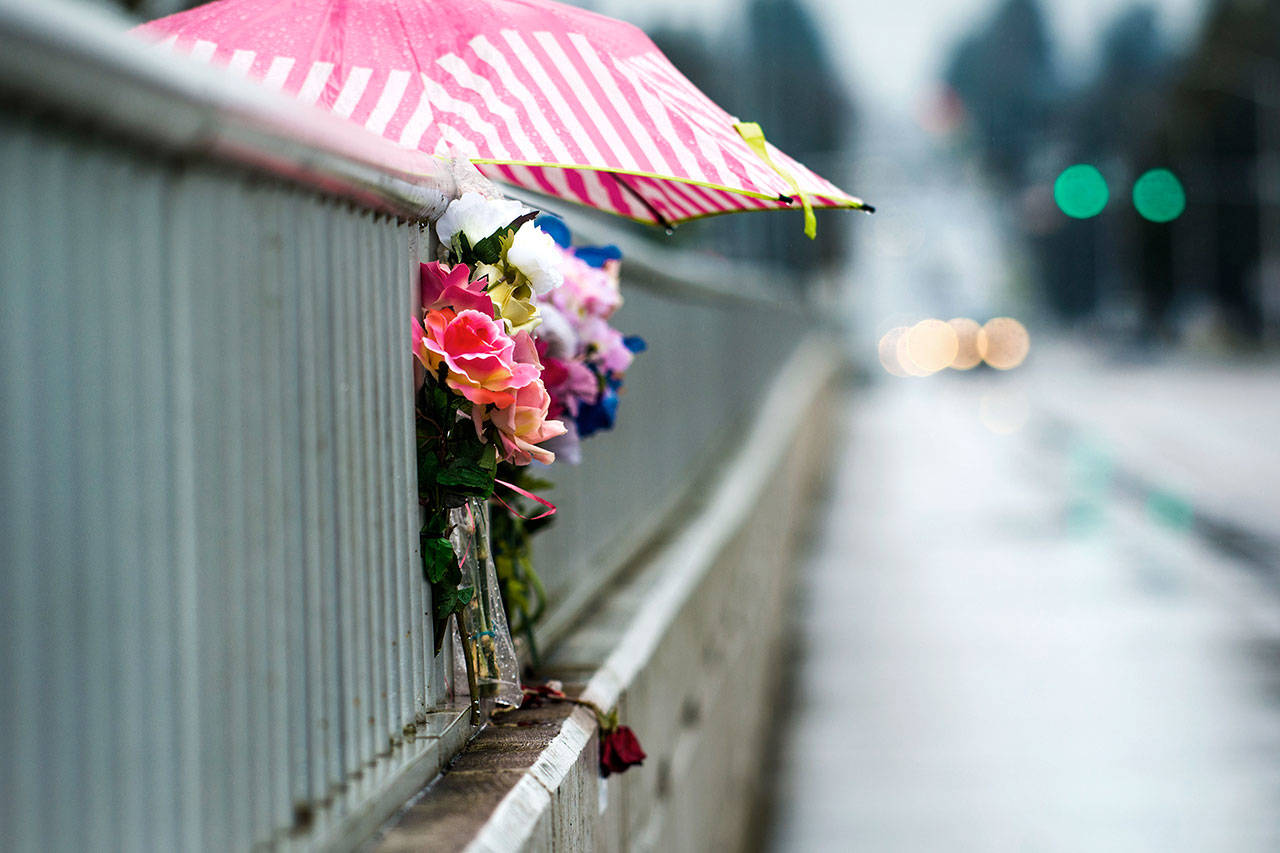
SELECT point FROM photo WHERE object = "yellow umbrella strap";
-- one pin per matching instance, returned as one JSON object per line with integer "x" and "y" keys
{"x": 754, "y": 137}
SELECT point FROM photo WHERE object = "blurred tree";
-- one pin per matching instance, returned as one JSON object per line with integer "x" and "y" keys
{"x": 796, "y": 94}
{"x": 1224, "y": 128}
{"x": 1004, "y": 76}
{"x": 1117, "y": 111}
{"x": 775, "y": 68}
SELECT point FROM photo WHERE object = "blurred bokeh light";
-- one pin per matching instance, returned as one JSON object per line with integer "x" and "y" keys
{"x": 932, "y": 345}
{"x": 888, "y": 351}
{"x": 1003, "y": 343}
{"x": 1081, "y": 191}
{"x": 1158, "y": 196}
{"x": 902, "y": 348}
{"x": 967, "y": 355}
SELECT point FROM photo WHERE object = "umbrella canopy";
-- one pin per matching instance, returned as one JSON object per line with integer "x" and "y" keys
{"x": 544, "y": 96}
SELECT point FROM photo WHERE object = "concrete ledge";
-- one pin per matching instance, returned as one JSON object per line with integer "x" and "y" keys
{"x": 688, "y": 644}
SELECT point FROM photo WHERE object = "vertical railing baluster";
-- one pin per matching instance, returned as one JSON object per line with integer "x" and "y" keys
{"x": 388, "y": 523}
{"x": 69, "y": 626}
{"x": 284, "y": 582}
{"x": 371, "y": 569}
{"x": 194, "y": 800}
{"x": 379, "y": 506}
{"x": 20, "y": 713}
{"x": 345, "y": 415}
{"x": 333, "y": 722}
{"x": 245, "y": 449}
{"x": 299, "y": 660}
{"x": 406, "y": 302}
{"x": 393, "y": 344}
{"x": 311, "y": 339}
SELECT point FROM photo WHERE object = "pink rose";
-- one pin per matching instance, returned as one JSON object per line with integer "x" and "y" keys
{"x": 443, "y": 287}
{"x": 481, "y": 359}
{"x": 524, "y": 424}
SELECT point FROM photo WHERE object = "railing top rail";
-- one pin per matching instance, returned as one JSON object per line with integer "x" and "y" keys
{"x": 80, "y": 62}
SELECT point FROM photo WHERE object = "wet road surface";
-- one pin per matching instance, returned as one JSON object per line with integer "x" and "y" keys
{"x": 1006, "y": 651}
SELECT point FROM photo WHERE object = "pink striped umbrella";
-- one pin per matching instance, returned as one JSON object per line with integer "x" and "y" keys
{"x": 544, "y": 96}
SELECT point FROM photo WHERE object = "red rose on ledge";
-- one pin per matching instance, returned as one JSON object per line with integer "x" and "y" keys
{"x": 619, "y": 746}
{"x": 619, "y": 749}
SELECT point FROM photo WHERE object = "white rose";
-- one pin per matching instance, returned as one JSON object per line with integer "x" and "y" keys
{"x": 537, "y": 256}
{"x": 477, "y": 217}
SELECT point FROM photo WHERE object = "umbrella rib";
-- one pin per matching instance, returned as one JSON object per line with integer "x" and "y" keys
{"x": 662, "y": 220}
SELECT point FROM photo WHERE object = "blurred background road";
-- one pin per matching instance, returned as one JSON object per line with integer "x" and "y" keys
{"x": 1009, "y": 647}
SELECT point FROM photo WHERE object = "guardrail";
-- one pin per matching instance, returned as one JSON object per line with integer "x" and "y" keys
{"x": 211, "y": 602}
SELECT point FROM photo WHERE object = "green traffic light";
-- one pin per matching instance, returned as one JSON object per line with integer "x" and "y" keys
{"x": 1081, "y": 191}
{"x": 1158, "y": 196}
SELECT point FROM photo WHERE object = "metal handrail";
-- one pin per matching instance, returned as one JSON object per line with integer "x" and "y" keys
{"x": 80, "y": 62}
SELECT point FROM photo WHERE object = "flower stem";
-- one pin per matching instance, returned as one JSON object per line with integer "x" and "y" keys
{"x": 473, "y": 686}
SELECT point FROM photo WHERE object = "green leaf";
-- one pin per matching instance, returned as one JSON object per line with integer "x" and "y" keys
{"x": 440, "y": 399}
{"x": 466, "y": 477}
{"x": 452, "y": 601}
{"x": 489, "y": 461}
{"x": 489, "y": 250}
{"x": 444, "y": 607}
{"x": 428, "y": 468}
{"x": 464, "y": 444}
{"x": 437, "y": 558}
{"x": 435, "y": 523}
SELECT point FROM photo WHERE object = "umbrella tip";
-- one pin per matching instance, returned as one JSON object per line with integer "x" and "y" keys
{"x": 868, "y": 208}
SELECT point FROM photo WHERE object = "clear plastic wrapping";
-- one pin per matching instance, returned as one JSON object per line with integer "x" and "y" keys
{"x": 487, "y": 639}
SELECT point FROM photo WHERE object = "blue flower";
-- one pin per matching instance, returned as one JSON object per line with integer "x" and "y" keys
{"x": 601, "y": 414}
{"x": 595, "y": 256}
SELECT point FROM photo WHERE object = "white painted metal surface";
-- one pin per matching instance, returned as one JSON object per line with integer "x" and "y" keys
{"x": 213, "y": 618}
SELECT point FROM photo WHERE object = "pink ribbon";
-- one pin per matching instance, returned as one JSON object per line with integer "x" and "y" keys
{"x": 551, "y": 509}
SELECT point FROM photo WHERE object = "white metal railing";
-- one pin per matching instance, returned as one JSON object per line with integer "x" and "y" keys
{"x": 212, "y": 605}
{"x": 215, "y": 634}
{"x": 213, "y": 629}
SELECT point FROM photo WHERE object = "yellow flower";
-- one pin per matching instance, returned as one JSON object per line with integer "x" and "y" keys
{"x": 514, "y": 304}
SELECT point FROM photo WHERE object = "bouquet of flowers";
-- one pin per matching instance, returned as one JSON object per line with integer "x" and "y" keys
{"x": 516, "y": 363}
{"x": 480, "y": 399}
